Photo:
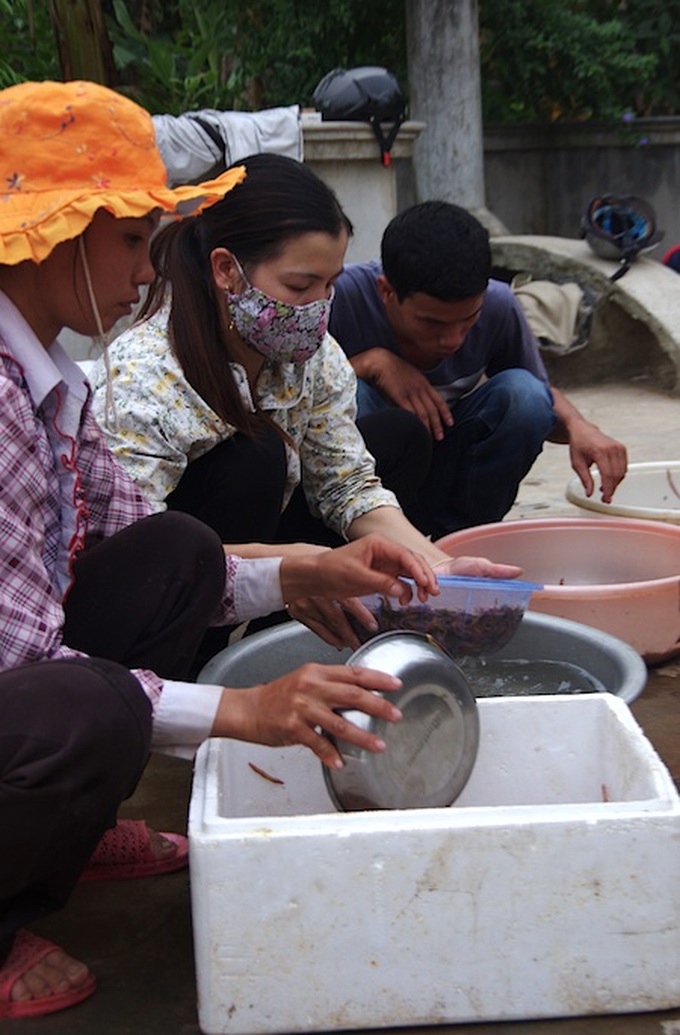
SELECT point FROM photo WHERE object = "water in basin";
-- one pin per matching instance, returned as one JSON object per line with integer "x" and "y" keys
{"x": 520, "y": 677}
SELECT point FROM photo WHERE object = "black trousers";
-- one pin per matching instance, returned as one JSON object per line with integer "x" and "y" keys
{"x": 237, "y": 489}
{"x": 75, "y": 734}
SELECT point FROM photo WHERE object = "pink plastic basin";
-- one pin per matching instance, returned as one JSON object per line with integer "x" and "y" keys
{"x": 616, "y": 574}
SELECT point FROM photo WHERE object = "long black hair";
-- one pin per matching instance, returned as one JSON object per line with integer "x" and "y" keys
{"x": 278, "y": 200}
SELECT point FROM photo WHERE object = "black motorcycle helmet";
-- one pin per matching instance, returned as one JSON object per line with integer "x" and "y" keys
{"x": 367, "y": 94}
{"x": 620, "y": 228}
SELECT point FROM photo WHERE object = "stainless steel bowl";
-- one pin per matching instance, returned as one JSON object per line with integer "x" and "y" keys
{"x": 430, "y": 751}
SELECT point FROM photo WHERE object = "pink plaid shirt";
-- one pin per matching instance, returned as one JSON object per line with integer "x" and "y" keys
{"x": 58, "y": 483}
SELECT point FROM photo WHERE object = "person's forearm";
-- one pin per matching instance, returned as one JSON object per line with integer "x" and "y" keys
{"x": 567, "y": 415}
{"x": 250, "y": 550}
{"x": 254, "y": 550}
{"x": 300, "y": 577}
{"x": 235, "y": 715}
{"x": 391, "y": 522}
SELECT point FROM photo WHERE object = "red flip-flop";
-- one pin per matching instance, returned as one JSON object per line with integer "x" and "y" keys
{"x": 124, "y": 853}
{"x": 29, "y": 949}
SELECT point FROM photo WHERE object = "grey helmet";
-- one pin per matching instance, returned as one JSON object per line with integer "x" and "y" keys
{"x": 366, "y": 94}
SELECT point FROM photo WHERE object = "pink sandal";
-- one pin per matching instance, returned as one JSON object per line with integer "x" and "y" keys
{"x": 29, "y": 949}
{"x": 124, "y": 852}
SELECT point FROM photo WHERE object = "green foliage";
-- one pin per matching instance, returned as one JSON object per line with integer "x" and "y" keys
{"x": 176, "y": 67}
{"x": 541, "y": 60}
{"x": 544, "y": 61}
{"x": 656, "y": 28}
{"x": 288, "y": 45}
{"x": 230, "y": 55}
{"x": 28, "y": 44}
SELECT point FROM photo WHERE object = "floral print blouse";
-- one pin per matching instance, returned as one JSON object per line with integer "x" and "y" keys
{"x": 163, "y": 424}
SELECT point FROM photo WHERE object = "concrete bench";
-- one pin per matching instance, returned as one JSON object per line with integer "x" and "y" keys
{"x": 635, "y": 332}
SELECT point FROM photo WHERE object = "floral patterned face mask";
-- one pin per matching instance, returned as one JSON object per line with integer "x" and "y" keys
{"x": 278, "y": 330}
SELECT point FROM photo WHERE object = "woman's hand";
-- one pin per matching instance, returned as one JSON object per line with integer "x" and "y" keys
{"x": 371, "y": 564}
{"x": 329, "y": 583}
{"x": 476, "y": 566}
{"x": 328, "y": 619}
{"x": 296, "y": 708}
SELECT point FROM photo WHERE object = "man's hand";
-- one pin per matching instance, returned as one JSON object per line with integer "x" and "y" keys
{"x": 587, "y": 446}
{"x": 403, "y": 385}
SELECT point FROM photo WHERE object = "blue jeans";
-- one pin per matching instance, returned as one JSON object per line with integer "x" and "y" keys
{"x": 498, "y": 431}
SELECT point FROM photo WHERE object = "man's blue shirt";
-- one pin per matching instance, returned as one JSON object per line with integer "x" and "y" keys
{"x": 500, "y": 340}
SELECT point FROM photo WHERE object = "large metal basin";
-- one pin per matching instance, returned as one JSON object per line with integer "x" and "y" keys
{"x": 612, "y": 664}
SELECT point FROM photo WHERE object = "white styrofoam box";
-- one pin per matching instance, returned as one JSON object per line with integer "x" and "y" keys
{"x": 550, "y": 888}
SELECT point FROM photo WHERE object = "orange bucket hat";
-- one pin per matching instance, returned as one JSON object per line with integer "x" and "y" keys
{"x": 69, "y": 149}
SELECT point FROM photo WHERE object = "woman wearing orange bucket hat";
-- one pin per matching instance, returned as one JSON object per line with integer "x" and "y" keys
{"x": 104, "y": 603}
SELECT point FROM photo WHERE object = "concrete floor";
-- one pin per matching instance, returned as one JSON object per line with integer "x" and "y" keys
{"x": 136, "y": 935}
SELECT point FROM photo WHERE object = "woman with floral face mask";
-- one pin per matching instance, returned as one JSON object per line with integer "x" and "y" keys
{"x": 232, "y": 401}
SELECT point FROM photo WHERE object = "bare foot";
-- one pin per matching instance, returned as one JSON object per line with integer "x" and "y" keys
{"x": 160, "y": 846}
{"x": 133, "y": 849}
{"x": 57, "y": 972}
